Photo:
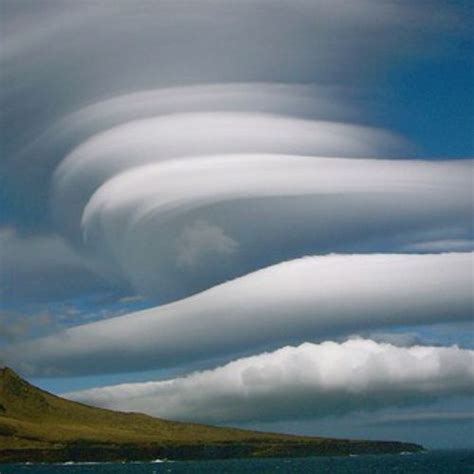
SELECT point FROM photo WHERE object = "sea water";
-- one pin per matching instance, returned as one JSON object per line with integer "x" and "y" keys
{"x": 432, "y": 462}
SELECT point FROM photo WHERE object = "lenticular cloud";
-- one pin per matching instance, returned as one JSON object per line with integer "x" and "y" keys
{"x": 269, "y": 179}
{"x": 271, "y": 207}
{"x": 173, "y": 136}
{"x": 304, "y": 299}
{"x": 307, "y": 381}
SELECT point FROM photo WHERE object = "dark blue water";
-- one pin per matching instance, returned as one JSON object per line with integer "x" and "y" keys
{"x": 433, "y": 462}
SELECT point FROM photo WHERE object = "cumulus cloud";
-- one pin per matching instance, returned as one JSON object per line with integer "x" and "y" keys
{"x": 293, "y": 301}
{"x": 202, "y": 241}
{"x": 310, "y": 380}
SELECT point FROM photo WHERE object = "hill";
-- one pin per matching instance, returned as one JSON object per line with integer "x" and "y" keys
{"x": 38, "y": 426}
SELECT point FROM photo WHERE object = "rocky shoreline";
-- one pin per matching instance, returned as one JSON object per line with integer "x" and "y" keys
{"x": 120, "y": 453}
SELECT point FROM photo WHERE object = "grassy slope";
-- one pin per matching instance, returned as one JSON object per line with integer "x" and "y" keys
{"x": 32, "y": 419}
{"x": 33, "y": 412}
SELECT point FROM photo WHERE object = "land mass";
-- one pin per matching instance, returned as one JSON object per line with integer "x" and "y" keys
{"x": 36, "y": 426}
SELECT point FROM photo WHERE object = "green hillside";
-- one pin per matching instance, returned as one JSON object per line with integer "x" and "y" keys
{"x": 38, "y": 426}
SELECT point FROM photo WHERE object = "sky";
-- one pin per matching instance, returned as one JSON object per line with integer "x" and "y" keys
{"x": 247, "y": 213}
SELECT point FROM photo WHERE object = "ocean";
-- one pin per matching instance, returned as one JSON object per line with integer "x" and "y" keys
{"x": 432, "y": 462}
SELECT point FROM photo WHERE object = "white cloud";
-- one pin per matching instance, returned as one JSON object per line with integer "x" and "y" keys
{"x": 310, "y": 380}
{"x": 211, "y": 54}
{"x": 303, "y": 101}
{"x": 291, "y": 302}
{"x": 200, "y": 242}
{"x": 276, "y": 207}
{"x": 315, "y": 101}
{"x": 185, "y": 135}
{"x": 253, "y": 41}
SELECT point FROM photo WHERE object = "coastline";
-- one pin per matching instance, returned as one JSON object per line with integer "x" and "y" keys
{"x": 78, "y": 452}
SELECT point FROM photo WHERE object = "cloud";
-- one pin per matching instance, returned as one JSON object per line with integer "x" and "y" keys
{"x": 55, "y": 143}
{"x": 425, "y": 417}
{"x": 455, "y": 245}
{"x": 400, "y": 339}
{"x": 291, "y": 302}
{"x": 453, "y": 238}
{"x": 41, "y": 268}
{"x": 274, "y": 207}
{"x": 312, "y": 31}
{"x": 303, "y": 101}
{"x": 15, "y": 326}
{"x": 197, "y": 135}
{"x": 72, "y": 72}
{"x": 310, "y": 380}
{"x": 202, "y": 241}
{"x": 170, "y": 149}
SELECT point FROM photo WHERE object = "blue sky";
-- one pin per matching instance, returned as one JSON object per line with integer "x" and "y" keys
{"x": 245, "y": 172}
{"x": 436, "y": 94}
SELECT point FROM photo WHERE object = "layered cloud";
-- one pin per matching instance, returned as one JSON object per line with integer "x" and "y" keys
{"x": 42, "y": 268}
{"x": 162, "y": 138}
{"x": 310, "y": 298}
{"x": 204, "y": 94}
{"x": 271, "y": 207}
{"x": 310, "y": 380}
{"x": 76, "y": 129}
{"x": 304, "y": 101}
{"x": 63, "y": 65}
